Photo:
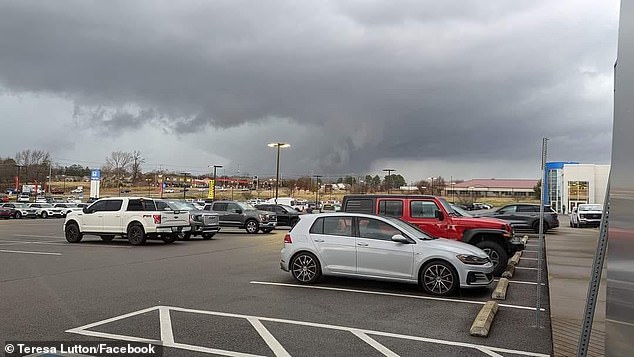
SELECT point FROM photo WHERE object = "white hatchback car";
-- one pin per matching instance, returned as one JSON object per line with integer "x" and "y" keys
{"x": 385, "y": 248}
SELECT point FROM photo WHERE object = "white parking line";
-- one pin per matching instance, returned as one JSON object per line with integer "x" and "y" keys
{"x": 525, "y": 268}
{"x": 530, "y": 251}
{"x": 83, "y": 330}
{"x": 273, "y": 344}
{"x": 35, "y": 236}
{"x": 474, "y": 302}
{"x": 28, "y": 252}
{"x": 527, "y": 258}
{"x": 63, "y": 243}
{"x": 372, "y": 342}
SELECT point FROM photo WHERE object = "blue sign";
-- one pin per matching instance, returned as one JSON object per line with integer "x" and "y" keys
{"x": 164, "y": 185}
{"x": 95, "y": 174}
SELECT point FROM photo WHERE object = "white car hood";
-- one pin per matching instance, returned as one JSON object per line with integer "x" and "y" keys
{"x": 590, "y": 212}
{"x": 455, "y": 247}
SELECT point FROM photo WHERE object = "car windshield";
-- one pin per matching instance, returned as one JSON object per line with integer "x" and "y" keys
{"x": 245, "y": 206}
{"x": 20, "y": 205}
{"x": 449, "y": 208}
{"x": 181, "y": 206}
{"x": 45, "y": 205}
{"x": 460, "y": 211}
{"x": 590, "y": 208}
{"x": 411, "y": 230}
{"x": 289, "y": 209}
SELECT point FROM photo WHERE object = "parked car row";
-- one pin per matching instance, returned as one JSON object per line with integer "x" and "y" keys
{"x": 37, "y": 210}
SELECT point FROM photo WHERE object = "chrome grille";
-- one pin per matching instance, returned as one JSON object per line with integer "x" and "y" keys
{"x": 210, "y": 219}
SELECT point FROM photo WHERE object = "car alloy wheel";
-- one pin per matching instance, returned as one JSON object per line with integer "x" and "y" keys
{"x": 252, "y": 227}
{"x": 438, "y": 279}
{"x": 493, "y": 255}
{"x": 305, "y": 268}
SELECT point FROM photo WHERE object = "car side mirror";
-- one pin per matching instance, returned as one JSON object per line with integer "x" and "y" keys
{"x": 85, "y": 210}
{"x": 400, "y": 239}
{"x": 438, "y": 214}
{"x": 238, "y": 211}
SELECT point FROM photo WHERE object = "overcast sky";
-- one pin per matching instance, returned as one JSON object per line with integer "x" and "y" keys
{"x": 452, "y": 88}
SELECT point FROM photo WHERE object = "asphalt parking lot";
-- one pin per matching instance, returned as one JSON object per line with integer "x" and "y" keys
{"x": 227, "y": 296}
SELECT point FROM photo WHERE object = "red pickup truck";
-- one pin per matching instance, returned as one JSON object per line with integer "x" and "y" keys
{"x": 435, "y": 216}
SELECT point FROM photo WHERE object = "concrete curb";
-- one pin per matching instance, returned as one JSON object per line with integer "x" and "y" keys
{"x": 500, "y": 290}
{"x": 482, "y": 323}
{"x": 508, "y": 273}
{"x": 515, "y": 259}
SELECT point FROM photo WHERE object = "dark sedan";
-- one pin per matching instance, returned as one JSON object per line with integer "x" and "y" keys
{"x": 286, "y": 215}
{"x": 524, "y": 216}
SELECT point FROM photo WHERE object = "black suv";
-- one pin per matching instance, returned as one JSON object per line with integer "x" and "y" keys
{"x": 524, "y": 216}
{"x": 286, "y": 215}
{"x": 243, "y": 215}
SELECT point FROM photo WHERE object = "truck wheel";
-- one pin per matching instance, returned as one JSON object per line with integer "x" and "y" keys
{"x": 107, "y": 237}
{"x": 207, "y": 236}
{"x": 186, "y": 236}
{"x": 252, "y": 226}
{"x": 44, "y": 214}
{"x": 170, "y": 238}
{"x": 136, "y": 234}
{"x": 72, "y": 233}
{"x": 496, "y": 253}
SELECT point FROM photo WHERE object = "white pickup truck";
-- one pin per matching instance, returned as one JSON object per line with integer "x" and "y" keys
{"x": 134, "y": 218}
{"x": 586, "y": 215}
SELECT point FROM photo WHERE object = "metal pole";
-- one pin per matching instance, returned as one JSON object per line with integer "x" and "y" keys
{"x": 388, "y": 180}
{"x": 595, "y": 279}
{"x": 277, "y": 172}
{"x": 317, "y": 190}
{"x": 540, "y": 254}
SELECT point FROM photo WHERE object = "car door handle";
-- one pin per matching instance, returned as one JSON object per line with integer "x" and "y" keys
{"x": 319, "y": 240}
{"x": 362, "y": 244}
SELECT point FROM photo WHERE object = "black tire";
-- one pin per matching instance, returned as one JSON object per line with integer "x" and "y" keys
{"x": 536, "y": 227}
{"x": 186, "y": 236}
{"x": 107, "y": 237}
{"x": 439, "y": 278}
{"x": 169, "y": 238}
{"x": 44, "y": 215}
{"x": 72, "y": 233}
{"x": 251, "y": 226}
{"x": 498, "y": 255}
{"x": 267, "y": 230}
{"x": 305, "y": 268}
{"x": 207, "y": 236}
{"x": 18, "y": 215}
{"x": 136, "y": 234}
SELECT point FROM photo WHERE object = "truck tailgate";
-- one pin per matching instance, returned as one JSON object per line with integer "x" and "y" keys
{"x": 174, "y": 219}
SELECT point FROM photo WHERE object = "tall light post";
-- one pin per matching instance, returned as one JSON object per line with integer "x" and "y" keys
{"x": 389, "y": 178}
{"x": 185, "y": 183}
{"x": 160, "y": 176}
{"x": 64, "y": 189}
{"x": 317, "y": 177}
{"x": 277, "y": 164}
{"x": 215, "y": 167}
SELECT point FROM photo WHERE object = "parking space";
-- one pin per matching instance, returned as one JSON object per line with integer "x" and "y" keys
{"x": 227, "y": 296}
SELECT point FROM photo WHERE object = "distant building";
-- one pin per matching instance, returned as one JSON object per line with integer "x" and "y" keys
{"x": 511, "y": 188}
{"x": 567, "y": 184}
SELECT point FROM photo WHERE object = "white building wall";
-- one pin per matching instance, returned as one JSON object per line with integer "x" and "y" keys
{"x": 595, "y": 175}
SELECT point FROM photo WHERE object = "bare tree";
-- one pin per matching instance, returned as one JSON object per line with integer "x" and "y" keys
{"x": 119, "y": 162}
{"x": 34, "y": 163}
{"x": 137, "y": 160}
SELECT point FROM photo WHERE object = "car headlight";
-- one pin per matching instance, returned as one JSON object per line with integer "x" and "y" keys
{"x": 262, "y": 217}
{"x": 472, "y": 259}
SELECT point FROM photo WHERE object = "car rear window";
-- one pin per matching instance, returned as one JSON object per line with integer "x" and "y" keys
{"x": 391, "y": 208}
{"x": 360, "y": 205}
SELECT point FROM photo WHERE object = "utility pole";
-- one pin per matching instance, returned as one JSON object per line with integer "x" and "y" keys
{"x": 389, "y": 178}
{"x": 317, "y": 190}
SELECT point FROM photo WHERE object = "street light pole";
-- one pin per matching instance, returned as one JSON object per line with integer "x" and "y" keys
{"x": 277, "y": 171}
{"x": 185, "y": 183}
{"x": 432, "y": 184}
{"x": 389, "y": 178}
{"x": 317, "y": 189}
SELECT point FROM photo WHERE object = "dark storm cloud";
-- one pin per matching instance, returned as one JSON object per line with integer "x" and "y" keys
{"x": 420, "y": 80}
